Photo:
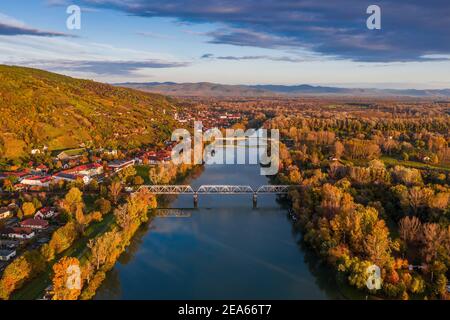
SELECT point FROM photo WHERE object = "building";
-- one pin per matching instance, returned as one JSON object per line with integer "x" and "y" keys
{"x": 46, "y": 213}
{"x": 41, "y": 168}
{"x": 70, "y": 154}
{"x": 18, "y": 174}
{"x": 71, "y": 177}
{"x": 6, "y": 255}
{"x": 90, "y": 170}
{"x": 18, "y": 233}
{"x": 7, "y": 244}
{"x": 35, "y": 224}
{"x": 38, "y": 181}
{"x": 5, "y": 213}
{"x": 85, "y": 172}
{"x": 118, "y": 165}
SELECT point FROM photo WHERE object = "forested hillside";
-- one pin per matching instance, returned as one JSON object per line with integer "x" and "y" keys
{"x": 39, "y": 108}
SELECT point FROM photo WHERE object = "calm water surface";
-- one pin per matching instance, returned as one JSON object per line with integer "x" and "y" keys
{"x": 224, "y": 250}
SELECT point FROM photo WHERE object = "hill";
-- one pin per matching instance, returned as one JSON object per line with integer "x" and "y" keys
{"x": 220, "y": 90}
{"x": 39, "y": 108}
{"x": 204, "y": 89}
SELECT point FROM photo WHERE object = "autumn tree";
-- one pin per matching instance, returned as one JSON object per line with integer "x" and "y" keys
{"x": 22, "y": 269}
{"x": 64, "y": 237}
{"x": 410, "y": 229}
{"x": 377, "y": 245}
{"x": 28, "y": 209}
{"x": 127, "y": 173}
{"x": 80, "y": 218}
{"x": 115, "y": 190}
{"x": 72, "y": 200}
{"x": 103, "y": 205}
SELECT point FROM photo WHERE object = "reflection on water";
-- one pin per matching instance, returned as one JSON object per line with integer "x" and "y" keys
{"x": 224, "y": 250}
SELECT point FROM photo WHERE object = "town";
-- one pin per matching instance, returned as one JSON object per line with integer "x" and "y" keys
{"x": 28, "y": 225}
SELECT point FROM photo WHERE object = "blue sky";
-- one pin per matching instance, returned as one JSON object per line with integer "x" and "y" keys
{"x": 234, "y": 42}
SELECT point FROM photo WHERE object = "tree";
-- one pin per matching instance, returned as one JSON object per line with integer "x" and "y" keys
{"x": 104, "y": 249}
{"x": 47, "y": 252}
{"x": 103, "y": 205}
{"x": 64, "y": 237}
{"x": 72, "y": 199}
{"x": 22, "y": 269}
{"x": 409, "y": 229}
{"x": 295, "y": 177}
{"x": 99, "y": 251}
{"x": 419, "y": 197}
{"x": 80, "y": 218}
{"x": 138, "y": 181}
{"x": 66, "y": 279}
{"x": 377, "y": 245}
{"x": 126, "y": 173}
{"x": 123, "y": 219}
{"x": 338, "y": 149}
{"x": 115, "y": 189}
{"x": 433, "y": 238}
{"x": 8, "y": 185}
{"x": 28, "y": 209}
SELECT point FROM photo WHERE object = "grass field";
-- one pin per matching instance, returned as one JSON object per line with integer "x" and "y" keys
{"x": 413, "y": 164}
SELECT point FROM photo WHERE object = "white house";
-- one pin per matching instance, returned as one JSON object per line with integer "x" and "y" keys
{"x": 6, "y": 255}
{"x": 18, "y": 233}
{"x": 39, "y": 181}
{"x": 119, "y": 165}
{"x": 45, "y": 213}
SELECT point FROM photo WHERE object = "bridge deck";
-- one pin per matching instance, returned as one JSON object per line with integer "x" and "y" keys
{"x": 216, "y": 189}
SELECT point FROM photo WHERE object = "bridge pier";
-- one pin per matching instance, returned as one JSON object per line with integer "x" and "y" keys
{"x": 195, "y": 200}
{"x": 255, "y": 200}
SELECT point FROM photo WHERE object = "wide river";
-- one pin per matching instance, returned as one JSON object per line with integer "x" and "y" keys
{"x": 225, "y": 249}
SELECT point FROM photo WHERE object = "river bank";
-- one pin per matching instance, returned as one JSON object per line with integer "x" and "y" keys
{"x": 224, "y": 250}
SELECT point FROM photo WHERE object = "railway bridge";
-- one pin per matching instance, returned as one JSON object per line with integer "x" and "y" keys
{"x": 218, "y": 189}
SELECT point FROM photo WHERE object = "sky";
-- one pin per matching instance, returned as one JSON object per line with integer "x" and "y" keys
{"x": 234, "y": 41}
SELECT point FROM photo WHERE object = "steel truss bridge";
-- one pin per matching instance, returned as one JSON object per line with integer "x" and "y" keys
{"x": 217, "y": 189}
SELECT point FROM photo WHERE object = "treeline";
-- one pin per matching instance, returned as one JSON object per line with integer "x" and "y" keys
{"x": 33, "y": 263}
{"x": 345, "y": 210}
{"x": 358, "y": 200}
{"x": 104, "y": 250}
{"x": 420, "y": 139}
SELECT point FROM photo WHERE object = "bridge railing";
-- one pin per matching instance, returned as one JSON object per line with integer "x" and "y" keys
{"x": 217, "y": 189}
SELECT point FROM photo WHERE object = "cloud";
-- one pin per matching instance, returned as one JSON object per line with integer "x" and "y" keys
{"x": 244, "y": 58}
{"x": 149, "y": 34}
{"x": 207, "y": 56}
{"x": 12, "y": 27}
{"x": 410, "y": 29}
{"x": 101, "y": 67}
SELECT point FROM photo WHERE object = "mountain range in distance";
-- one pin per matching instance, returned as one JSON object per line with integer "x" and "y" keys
{"x": 208, "y": 89}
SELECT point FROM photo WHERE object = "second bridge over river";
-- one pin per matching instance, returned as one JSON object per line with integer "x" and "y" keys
{"x": 217, "y": 189}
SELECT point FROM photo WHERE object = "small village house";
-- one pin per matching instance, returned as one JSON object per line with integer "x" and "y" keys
{"x": 35, "y": 224}
{"x": 18, "y": 233}
{"x": 6, "y": 255}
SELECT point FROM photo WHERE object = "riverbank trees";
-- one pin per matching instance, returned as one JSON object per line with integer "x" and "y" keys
{"x": 360, "y": 203}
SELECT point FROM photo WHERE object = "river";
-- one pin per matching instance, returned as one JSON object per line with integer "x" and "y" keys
{"x": 225, "y": 249}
